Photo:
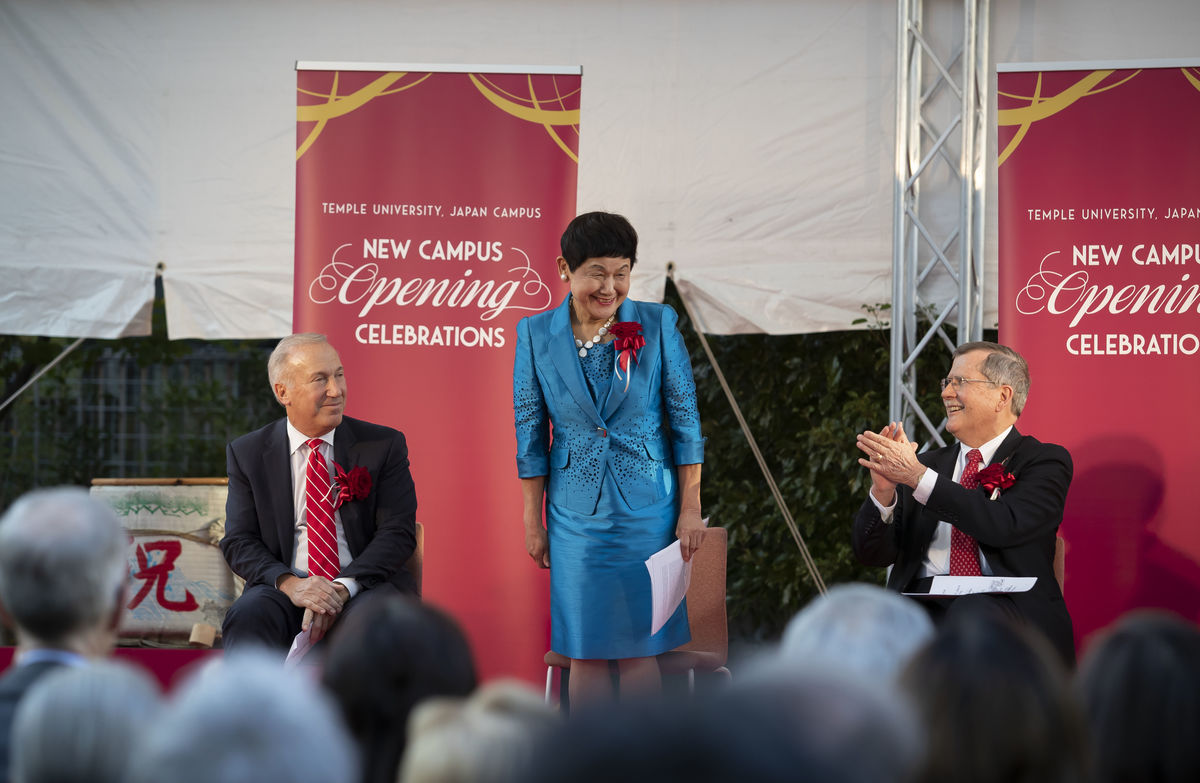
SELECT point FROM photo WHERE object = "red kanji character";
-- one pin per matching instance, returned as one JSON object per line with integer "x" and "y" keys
{"x": 158, "y": 574}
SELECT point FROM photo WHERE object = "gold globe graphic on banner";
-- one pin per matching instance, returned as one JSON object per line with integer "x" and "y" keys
{"x": 1040, "y": 106}
{"x": 548, "y": 109}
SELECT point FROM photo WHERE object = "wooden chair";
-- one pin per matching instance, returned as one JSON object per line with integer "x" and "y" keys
{"x": 1060, "y": 562}
{"x": 708, "y": 651}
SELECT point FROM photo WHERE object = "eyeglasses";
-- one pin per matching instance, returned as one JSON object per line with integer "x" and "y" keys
{"x": 957, "y": 381}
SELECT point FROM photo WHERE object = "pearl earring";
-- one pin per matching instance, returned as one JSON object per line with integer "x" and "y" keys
{"x": 564, "y": 278}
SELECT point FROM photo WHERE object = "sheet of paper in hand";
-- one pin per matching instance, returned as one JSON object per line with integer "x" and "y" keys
{"x": 669, "y": 580}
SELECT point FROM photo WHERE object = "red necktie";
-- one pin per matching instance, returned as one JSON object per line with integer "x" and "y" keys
{"x": 964, "y": 553}
{"x": 318, "y": 503}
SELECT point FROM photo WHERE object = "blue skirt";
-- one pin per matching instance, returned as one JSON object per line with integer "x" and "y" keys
{"x": 599, "y": 586}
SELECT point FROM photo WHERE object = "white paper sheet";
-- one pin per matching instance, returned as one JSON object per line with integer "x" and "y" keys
{"x": 965, "y": 585}
{"x": 300, "y": 647}
{"x": 669, "y": 580}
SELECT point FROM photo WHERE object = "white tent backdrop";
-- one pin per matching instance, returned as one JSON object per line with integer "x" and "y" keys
{"x": 750, "y": 142}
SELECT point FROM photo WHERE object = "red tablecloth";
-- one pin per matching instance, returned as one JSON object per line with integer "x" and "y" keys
{"x": 169, "y": 666}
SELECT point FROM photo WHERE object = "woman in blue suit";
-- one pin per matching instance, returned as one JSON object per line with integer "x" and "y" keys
{"x": 621, "y": 477}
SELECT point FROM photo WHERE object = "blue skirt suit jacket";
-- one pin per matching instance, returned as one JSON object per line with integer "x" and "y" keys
{"x": 609, "y": 463}
{"x": 624, "y": 432}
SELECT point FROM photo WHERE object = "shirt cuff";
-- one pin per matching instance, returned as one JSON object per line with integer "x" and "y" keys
{"x": 350, "y": 584}
{"x": 885, "y": 512}
{"x": 925, "y": 486}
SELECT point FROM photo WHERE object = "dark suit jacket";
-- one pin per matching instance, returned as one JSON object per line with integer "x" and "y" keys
{"x": 260, "y": 515}
{"x": 15, "y": 683}
{"x": 1016, "y": 532}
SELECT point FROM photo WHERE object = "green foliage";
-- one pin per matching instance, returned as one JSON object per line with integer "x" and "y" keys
{"x": 805, "y": 398}
{"x": 134, "y": 407}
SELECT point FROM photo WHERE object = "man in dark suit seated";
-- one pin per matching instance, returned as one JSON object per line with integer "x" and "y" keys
{"x": 321, "y": 506}
{"x": 63, "y": 578}
{"x": 988, "y": 505}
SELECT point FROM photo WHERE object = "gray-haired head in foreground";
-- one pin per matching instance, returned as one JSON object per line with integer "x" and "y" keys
{"x": 489, "y": 737}
{"x": 247, "y": 720}
{"x": 63, "y": 564}
{"x": 79, "y": 725}
{"x": 865, "y": 629}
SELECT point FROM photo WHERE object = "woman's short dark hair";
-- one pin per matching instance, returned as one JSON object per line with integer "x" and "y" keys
{"x": 598, "y": 235}
{"x": 996, "y": 702}
{"x": 385, "y": 658}
{"x": 1140, "y": 689}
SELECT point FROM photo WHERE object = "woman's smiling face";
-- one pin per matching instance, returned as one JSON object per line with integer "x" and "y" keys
{"x": 598, "y": 286}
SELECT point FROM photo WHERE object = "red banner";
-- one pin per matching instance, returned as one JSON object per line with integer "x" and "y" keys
{"x": 1099, "y": 186}
{"x": 428, "y": 211}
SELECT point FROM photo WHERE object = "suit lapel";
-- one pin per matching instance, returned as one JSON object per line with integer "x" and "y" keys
{"x": 617, "y": 394}
{"x": 1007, "y": 447}
{"x": 943, "y": 462}
{"x": 277, "y": 465}
{"x": 566, "y": 360}
{"x": 345, "y": 454}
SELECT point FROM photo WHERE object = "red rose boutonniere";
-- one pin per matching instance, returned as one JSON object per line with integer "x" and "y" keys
{"x": 994, "y": 478}
{"x": 628, "y": 341}
{"x": 354, "y": 485}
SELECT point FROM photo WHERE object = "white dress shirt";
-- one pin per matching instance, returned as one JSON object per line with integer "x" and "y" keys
{"x": 44, "y": 654}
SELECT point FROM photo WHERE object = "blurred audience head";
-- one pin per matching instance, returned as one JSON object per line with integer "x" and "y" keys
{"x": 63, "y": 570}
{"x": 996, "y": 705}
{"x": 819, "y": 725}
{"x": 244, "y": 719}
{"x": 862, "y": 628}
{"x": 389, "y": 655}
{"x": 79, "y": 725}
{"x": 1140, "y": 689}
{"x": 488, "y": 737}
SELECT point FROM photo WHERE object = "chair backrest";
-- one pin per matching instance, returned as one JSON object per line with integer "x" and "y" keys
{"x": 706, "y": 597}
{"x": 1060, "y": 562}
{"x": 417, "y": 559}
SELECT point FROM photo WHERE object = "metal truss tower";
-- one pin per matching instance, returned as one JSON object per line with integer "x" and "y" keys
{"x": 940, "y": 186}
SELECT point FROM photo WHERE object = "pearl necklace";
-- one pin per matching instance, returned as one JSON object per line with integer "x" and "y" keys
{"x": 592, "y": 343}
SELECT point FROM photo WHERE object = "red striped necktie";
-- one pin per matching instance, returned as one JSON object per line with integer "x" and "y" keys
{"x": 964, "y": 552}
{"x": 318, "y": 504}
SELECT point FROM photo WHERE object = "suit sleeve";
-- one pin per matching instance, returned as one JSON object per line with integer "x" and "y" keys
{"x": 679, "y": 394}
{"x": 529, "y": 410}
{"x": 243, "y": 545}
{"x": 395, "y": 519}
{"x": 1027, "y": 511}
{"x": 873, "y": 540}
